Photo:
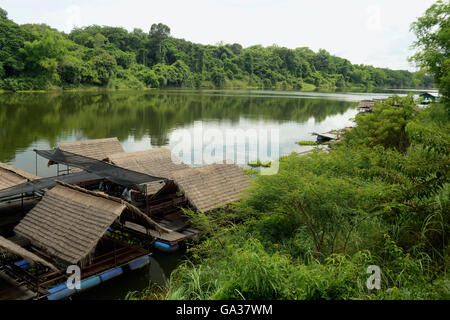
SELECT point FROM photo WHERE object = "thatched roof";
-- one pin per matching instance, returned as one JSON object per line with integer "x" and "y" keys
{"x": 9, "y": 246}
{"x": 11, "y": 176}
{"x": 212, "y": 186}
{"x": 98, "y": 149}
{"x": 368, "y": 104}
{"x": 206, "y": 188}
{"x": 363, "y": 104}
{"x": 69, "y": 222}
{"x": 158, "y": 162}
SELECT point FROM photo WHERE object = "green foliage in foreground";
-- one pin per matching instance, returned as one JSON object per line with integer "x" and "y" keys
{"x": 37, "y": 57}
{"x": 311, "y": 230}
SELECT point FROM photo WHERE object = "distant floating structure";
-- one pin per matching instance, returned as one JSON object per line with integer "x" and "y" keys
{"x": 334, "y": 135}
{"x": 367, "y": 106}
{"x": 428, "y": 97}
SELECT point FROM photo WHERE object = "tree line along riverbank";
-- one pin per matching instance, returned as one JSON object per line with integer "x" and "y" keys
{"x": 38, "y": 57}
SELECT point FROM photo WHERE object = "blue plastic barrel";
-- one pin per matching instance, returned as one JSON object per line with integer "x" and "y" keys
{"x": 57, "y": 288}
{"x": 165, "y": 246}
{"x": 139, "y": 263}
{"x": 111, "y": 274}
{"x": 89, "y": 282}
{"x": 62, "y": 294}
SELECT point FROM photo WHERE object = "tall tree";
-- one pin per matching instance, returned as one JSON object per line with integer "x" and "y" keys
{"x": 159, "y": 32}
{"x": 3, "y": 14}
{"x": 433, "y": 41}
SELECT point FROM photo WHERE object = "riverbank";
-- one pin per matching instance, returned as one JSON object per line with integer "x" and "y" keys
{"x": 306, "y": 88}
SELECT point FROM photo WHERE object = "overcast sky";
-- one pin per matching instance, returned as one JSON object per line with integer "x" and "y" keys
{"x": 374, "y": 32}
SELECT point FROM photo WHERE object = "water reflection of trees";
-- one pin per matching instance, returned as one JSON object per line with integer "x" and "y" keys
{"x": 26, "y": 118}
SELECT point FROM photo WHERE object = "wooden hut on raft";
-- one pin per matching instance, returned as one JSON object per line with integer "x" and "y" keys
{"x": 367, "y": 106}
{"x": 213, "y": 186}
{"x": 158, "y": 162}
{"x": 77, "y": 220}
{"x": 171, "y": 185}
{"x": 74, "y": 226}
{"x": 98, "y": 149}
{"x": 203, "y": 189}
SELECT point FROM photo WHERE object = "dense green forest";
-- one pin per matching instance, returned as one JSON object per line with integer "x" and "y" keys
{"x": 379, "y": 197}
{"x": 37, "y": 57}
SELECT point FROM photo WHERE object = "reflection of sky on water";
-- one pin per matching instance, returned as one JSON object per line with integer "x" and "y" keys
{"x": 289, "y": 132}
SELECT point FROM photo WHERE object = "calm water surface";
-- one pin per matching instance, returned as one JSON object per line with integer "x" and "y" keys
{"x": 149, "y": 119}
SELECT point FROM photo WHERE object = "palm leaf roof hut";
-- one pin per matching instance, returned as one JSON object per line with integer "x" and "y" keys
{"x": 69, "y": 222}
{"x": 212, "y": 186}
{"x": 206, "y": 188}
{"x": 11, "y": 176}
{"x": 98, "y": 149}
{"x": 158, "y": 162}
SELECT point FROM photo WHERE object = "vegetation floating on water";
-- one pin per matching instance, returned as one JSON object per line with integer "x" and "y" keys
{"x": 266, "y": 164}
{"x": 258, "y": 163}
{"x": 307, "y": 143}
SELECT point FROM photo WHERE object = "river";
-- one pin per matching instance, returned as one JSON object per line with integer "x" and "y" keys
{"x": 156, "y": 118}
